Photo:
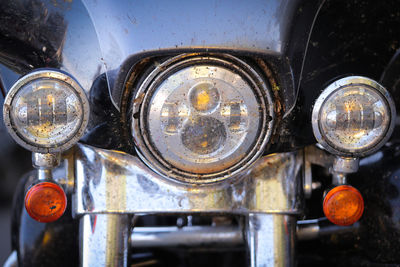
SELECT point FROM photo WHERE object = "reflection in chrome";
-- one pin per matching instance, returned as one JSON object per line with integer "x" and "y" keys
{"x": 12, "y": 260}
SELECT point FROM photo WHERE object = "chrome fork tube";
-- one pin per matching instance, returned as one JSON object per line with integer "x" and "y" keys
{"x": 270, "y": 239}
{"x": 104, "y": 240}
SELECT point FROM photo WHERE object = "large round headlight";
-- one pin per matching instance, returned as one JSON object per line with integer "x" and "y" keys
{"x": 353, "y": 116}
{"x": 202, "y": 118}
{"x": 46, "y": 111}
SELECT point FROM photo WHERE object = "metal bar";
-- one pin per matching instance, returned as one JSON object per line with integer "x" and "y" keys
{"x": 198, "y": 236}
{"x": 270, "y": 239}
{"x": 189, "y": 236}
{"x": 104, "y": 240}
{"x": 313, "y": 229}
{"x": 45, "y": 174}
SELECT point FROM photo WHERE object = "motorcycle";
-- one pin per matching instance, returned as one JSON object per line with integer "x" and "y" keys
{"x": 219, "y": 133}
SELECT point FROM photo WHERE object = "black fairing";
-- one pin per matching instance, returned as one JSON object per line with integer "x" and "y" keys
{"x": 70, "y": 35}
{"x": 349, "y": 38}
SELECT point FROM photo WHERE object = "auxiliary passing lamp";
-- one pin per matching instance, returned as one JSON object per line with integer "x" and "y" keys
{"x": 353, "y": 117}
{"x": 46, "y": 112}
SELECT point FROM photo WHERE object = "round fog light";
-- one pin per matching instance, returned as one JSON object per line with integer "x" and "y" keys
{"x": 353, "y": 116}
{"x": 46, "y": 111}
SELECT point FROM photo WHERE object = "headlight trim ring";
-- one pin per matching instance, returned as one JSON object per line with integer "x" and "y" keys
{"x": 150, "y": 85}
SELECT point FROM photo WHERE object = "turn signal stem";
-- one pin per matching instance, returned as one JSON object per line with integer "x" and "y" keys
{"x": 45, "y": 202}
{"x": 343, "y": 205}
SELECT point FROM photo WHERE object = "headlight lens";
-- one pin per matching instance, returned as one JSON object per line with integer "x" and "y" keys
{"x": 202, "y": 119}
{"x": 353, "y": 116}
{"x": 46, "y": 111}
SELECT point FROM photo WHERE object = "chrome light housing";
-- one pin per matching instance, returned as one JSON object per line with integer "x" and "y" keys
{"x": 46, "y": 111}
{"x": 353, "y": 116}
{"x": 202, "y": 119}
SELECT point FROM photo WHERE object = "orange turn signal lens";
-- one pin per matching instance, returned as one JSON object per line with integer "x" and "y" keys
{"x": 343, "y": 205}
{"x": 45, "y": 202}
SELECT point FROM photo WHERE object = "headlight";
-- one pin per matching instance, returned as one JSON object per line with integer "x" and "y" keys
{"x": 202, "y": 118}
{"x": 46, "y": 111}
{"x": 354, "y": 116}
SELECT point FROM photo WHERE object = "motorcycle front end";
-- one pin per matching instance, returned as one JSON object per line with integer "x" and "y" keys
{"x": 220, "y": 133}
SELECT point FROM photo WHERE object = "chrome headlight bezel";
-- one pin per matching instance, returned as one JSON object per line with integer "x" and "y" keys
{"x": 46, "y": 74}
{"x": 344, "y": 83}
{"x": 149, "y": 154}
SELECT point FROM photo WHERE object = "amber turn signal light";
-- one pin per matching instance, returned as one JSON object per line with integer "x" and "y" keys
{"x": 45, "y": 202}
{"x": 343, "y": 205}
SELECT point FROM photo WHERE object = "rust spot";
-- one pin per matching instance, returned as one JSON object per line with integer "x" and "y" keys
{"x": 138, "y": 99}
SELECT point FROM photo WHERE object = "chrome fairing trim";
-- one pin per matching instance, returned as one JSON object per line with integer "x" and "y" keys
{"x": 115, "y": 182}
